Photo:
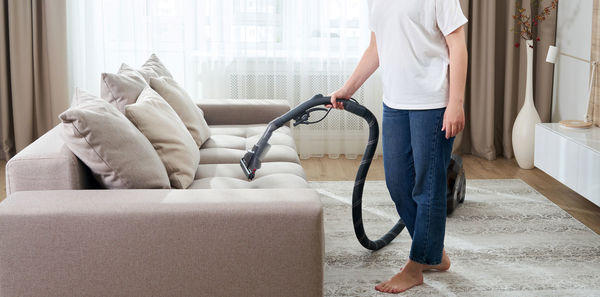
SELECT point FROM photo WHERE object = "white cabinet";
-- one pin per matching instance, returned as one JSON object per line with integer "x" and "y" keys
{"x": 571, "y": 156}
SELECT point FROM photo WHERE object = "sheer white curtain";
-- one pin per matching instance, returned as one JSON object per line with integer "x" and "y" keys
{"x": 242, "y": 49}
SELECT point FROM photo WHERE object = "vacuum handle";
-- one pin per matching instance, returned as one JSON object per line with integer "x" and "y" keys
{"x": 317, "y": 100}
{"x": 348, "y": 104}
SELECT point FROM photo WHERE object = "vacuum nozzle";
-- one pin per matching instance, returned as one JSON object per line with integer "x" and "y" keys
{"x": 251, "y": 161}
{"x": 244, "y": 163}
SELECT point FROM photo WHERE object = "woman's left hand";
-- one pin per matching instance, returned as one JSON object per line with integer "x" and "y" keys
{"x": 454, "y": 119}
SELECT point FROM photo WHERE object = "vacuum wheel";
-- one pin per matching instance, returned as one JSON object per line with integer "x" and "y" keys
{"x": 456, "y": 182}
{"x": 460, "y": 187}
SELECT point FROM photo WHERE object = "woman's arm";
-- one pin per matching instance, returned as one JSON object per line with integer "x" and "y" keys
{"x": 367, "y": 65}
{"x": 454, "y": 117}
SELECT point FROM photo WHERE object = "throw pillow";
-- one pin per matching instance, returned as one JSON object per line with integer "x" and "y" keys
{"x": 119, "y": 156}
{"x": 154, "y": 67}
{"x": 175, "y": 146}
{"x": 180, "y": 101}
{"x": 122, "y": 88}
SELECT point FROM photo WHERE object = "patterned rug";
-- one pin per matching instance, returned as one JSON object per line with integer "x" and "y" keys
{"x": 505, "y": 240}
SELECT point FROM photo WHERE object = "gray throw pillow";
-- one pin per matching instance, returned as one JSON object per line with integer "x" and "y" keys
{"x": 175, "y": 146}
{"x": 119, "y": 156}
{"x": 182, "y": 103}
{"x": 122, "y": 88}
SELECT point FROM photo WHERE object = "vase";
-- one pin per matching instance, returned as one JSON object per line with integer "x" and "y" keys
{"x": 523, "y": 133}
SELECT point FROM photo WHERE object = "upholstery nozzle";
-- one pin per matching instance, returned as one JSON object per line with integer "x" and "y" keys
{"x": 245, "y": 164}
{"x": 252, "y": 160}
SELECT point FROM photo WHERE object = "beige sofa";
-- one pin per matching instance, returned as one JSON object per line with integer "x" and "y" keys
{"x": 224, "y": 236}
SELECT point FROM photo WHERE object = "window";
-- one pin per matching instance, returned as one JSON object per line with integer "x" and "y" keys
{"x": 272, "y": 49}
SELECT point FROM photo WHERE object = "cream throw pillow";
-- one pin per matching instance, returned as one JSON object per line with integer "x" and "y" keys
{"x": 122, "y": 88}
{"x": 180, "y": 101}
{"x": 154, "y": 68}
{"x": 119, "y": 156}
{"x": 178, "y": 151}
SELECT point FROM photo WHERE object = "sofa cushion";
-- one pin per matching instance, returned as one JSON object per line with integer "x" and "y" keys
{"x": 153, "y": 116}
{"x": 119, "y": 156}
{"x": 182, "y": 103}
{"x": 221, "y": 154}
{"x": 230, "y": 176}
{"x": 244, "y": 143}
{"x": 228, "y": 143}
{"x": 277, "y": 153}
{"x": 234, "y": 170}
{"x": 122, "y": 88}
{"x": 272, "y": 181}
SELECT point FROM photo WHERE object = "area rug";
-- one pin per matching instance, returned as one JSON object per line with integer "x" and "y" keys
{"x": 505, "y": 240}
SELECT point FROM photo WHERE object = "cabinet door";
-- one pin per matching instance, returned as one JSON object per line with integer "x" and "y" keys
{"x": 588, "y": 184}
{"x": 557, "y": 156}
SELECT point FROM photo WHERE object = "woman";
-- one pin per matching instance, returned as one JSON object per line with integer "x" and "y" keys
{"x": 420, "y": 47}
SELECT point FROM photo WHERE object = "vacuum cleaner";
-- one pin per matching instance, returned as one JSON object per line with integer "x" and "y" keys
{"x": 251, "y": 162}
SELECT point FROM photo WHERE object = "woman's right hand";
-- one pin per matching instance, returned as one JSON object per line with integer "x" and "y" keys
{"x": 342, "y": 93}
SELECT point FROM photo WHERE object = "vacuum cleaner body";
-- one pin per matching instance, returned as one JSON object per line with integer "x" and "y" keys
{"x": 251, "y": 162}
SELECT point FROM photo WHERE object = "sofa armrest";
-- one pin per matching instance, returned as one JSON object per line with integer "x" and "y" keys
{"x": 258, "y": 242}
{"x": 47, "y": 164}
{"x": 242, "y": 111}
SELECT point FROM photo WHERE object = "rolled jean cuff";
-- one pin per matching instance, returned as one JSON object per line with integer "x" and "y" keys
{"x": 425, "y": 262}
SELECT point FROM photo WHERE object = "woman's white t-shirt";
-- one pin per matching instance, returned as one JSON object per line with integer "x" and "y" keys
{"x": 413, "y": 54}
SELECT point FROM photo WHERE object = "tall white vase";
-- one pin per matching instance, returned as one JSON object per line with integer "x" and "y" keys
{"x": 523, "y": 138}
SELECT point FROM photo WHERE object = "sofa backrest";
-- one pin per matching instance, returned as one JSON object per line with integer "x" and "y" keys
{"x": 47, "y": 164}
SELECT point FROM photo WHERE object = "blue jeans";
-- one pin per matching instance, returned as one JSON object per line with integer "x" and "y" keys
{"x": 416, "y": 155}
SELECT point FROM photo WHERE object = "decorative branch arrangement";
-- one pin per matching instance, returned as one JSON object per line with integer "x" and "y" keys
{"x": 526, "y": 22}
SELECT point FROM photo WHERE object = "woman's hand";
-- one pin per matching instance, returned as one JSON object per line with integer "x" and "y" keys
{"x": 454, "y": 119}
{"x": 342, "y": 93}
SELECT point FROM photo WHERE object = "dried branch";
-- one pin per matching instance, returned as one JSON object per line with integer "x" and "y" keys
{"x": 526, "y": 22}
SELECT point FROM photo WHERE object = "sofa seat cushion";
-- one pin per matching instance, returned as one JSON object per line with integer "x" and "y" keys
{"x": 220, "y": 163}
{"x": 234, "y": 170}
{"x": 277, "y": 153}
{"x": 228, "y": 144}
{"x": 271, "y": 181}
{"x": 245, "y": 143}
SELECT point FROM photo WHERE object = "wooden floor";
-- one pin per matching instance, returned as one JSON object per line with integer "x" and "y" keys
{"x": 325, "y": 169}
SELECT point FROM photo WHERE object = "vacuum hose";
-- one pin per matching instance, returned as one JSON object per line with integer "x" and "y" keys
{"x": 252, "y": 159}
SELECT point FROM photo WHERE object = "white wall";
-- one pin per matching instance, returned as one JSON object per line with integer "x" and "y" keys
{"x": 574, "y": 37}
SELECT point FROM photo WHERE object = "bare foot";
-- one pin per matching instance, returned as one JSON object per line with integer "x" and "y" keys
{"x": 410, "y": 276}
